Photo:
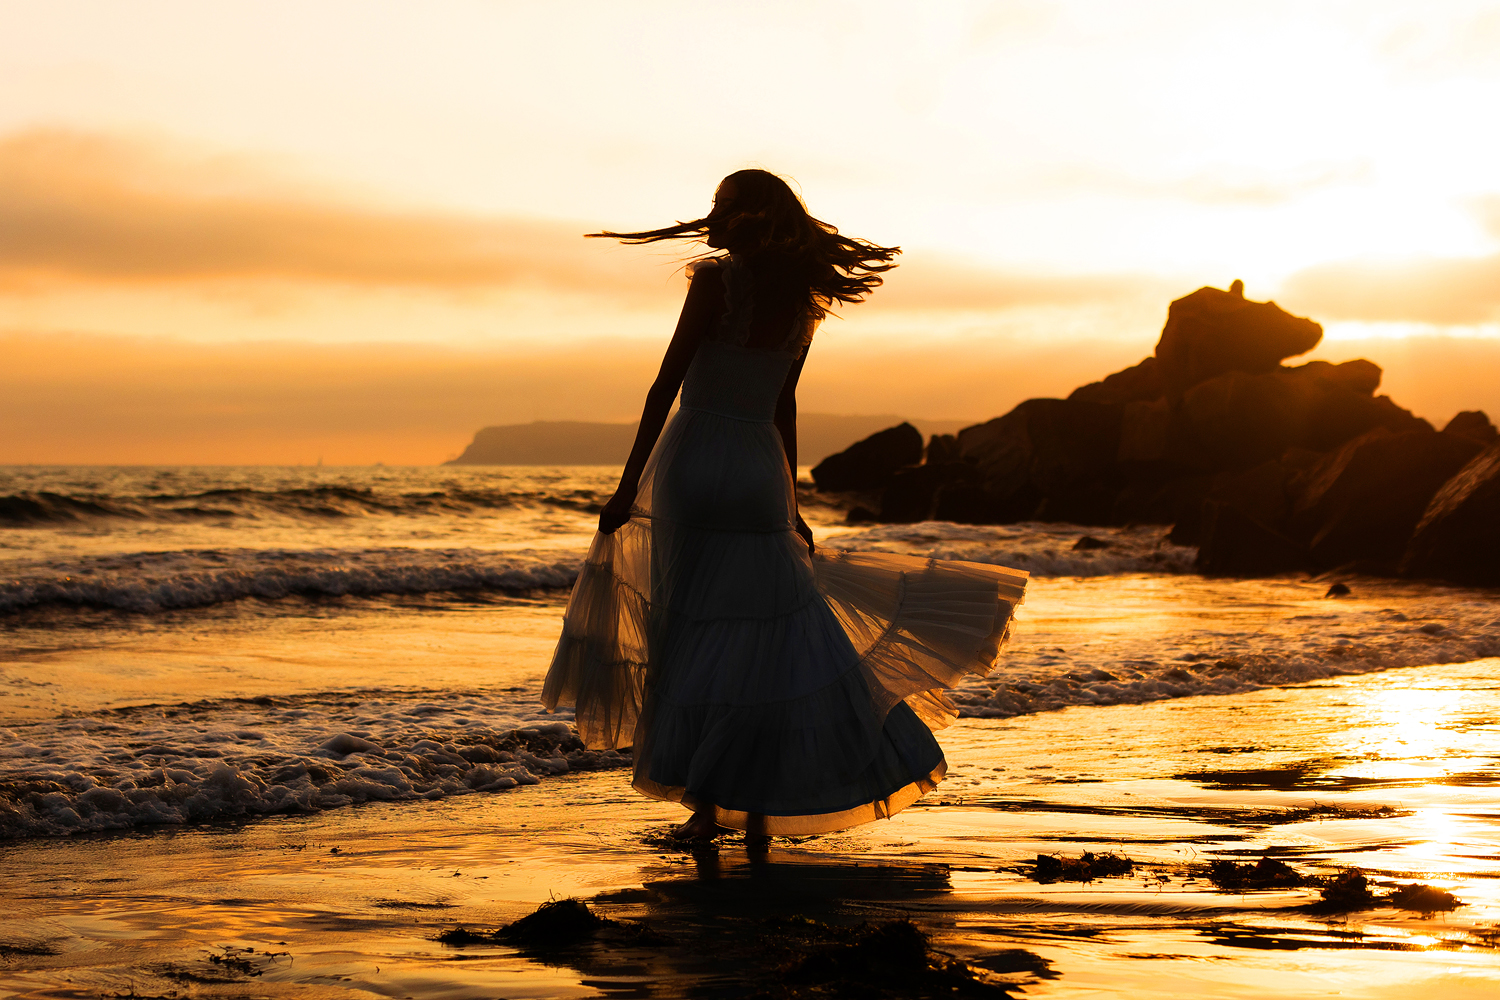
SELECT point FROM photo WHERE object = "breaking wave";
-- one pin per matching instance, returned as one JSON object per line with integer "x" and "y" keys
{"x": 43, "y": 508}
{"x": 161, "y": 581}
{"x": 220, "y": 760}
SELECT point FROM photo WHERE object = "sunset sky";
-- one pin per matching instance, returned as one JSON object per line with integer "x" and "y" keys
{"x": 274, "y": 232}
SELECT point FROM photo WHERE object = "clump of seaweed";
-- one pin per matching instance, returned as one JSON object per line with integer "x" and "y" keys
{"x": 1345, "y": 892}
{"x": 1267, "y": 873}
{"x": 558, "y": 923}
{"x": 1422, "y": 898}
{"x": 1055, "y": 868}
{"x": 1348, "y": 890}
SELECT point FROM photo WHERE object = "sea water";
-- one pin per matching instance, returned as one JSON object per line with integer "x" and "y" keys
{"x": 184, "y": 645}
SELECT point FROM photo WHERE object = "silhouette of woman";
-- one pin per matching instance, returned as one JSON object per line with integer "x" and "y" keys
{"x": 766, "y": 685}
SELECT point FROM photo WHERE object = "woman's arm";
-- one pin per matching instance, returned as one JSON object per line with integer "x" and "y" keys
{"x": 786, "y": 424}
{"x": 700, "y": 311}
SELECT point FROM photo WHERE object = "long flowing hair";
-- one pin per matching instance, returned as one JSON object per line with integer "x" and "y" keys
{"x": 806, "y": 257}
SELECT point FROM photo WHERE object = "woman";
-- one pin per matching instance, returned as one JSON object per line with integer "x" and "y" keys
{"x": 766, "y": 688}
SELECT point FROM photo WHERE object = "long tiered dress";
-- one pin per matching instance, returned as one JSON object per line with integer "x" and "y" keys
{"x": 783, "y": 692}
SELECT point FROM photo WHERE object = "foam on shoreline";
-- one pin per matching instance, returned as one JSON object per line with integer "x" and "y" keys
{"x": 233, "y": 758}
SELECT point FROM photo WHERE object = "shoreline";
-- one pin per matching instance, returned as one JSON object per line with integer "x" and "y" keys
{"x": 1171, "y": 785}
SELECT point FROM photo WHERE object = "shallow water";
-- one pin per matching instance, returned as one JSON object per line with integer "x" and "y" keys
{"x": 350, "y": 902}
{"x": 211, "y": 679}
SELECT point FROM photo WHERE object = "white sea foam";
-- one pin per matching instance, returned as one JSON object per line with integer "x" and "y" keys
{"x": 219, "y": 760}
{"x": 1111, "y": 641}
{"x": 1042, "y": 549}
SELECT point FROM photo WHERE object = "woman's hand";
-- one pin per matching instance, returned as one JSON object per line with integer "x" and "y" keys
{"x": 617, "y": 511}
{"x": 806, "y": 533}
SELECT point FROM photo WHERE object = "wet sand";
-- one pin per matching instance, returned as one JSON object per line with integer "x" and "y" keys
{"x": 351, "y": 902}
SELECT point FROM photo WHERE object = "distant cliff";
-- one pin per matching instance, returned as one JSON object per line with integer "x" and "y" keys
{"x": 575, "y": 442}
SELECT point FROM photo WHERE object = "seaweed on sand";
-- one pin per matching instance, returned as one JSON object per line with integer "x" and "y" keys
{"x": 558, "y": 923}
{"x": 1054, "y": 868}
{"x": 1267, "y": 873}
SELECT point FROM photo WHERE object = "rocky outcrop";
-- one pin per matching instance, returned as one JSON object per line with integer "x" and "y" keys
{"x": 1051, "y": 459}
{"x": 1238, "y": 419}
{"x": 1137, "y": 383}
{"x": 1213, "y": 331}
{"x": 870, "y": 464}
{"x": 1473, "y": 425}
{"x": 1458, "y": 537}
{"x": 1361, "y": 503}
{"x": 1267, "y": 468}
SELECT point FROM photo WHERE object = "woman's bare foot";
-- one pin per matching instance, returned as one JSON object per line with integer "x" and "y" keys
{"x": 699, "y": 827}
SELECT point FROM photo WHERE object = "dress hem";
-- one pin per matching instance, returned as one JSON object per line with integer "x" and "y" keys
{"x": 760, "y": 824}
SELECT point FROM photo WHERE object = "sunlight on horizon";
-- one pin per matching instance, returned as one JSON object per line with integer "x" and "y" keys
{"x": 1057, "y": 171}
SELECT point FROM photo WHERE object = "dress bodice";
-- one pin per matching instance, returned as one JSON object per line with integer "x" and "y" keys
{"x": 728, "y": 377}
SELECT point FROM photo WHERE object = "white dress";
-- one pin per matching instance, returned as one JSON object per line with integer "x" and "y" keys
{"x": 787, "y": 693}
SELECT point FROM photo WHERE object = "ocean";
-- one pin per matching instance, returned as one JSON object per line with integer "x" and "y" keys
{"x": 192, "y": 645}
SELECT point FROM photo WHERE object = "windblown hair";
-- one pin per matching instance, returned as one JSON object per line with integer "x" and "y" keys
{"x": 768, "y": 223}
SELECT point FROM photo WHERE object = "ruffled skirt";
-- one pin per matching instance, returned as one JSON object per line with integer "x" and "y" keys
{"x": 784, "y": 693}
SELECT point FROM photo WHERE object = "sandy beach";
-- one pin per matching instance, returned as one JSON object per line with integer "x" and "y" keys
{"x": 352, "y": 902}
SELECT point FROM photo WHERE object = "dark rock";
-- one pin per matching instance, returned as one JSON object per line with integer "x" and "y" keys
{"x": 970, "y": 503}
{"x": 1145, "y": 432}
{"x": 1338, "y": 590}
{"x": 1238, "y": 420}
{"x": 1458, "y": 537}
{"x": 1474, "y": 425}
{"x": 869, "y": 464}
{"x": 1363, "y": 501}
{"x": 912, "y": 492}
{"x": 1161, "y": 497}
{"x": 1052, "y": 449}
{"x": 1359, "y": 375}
{"x": 860, "y": 515}
{"x": 1235, "y": 544}
{"x": 1211, "y": 332}
{"x": 1088, "y": 543}
{"x": 942, "y": 448}
{"x": 1138, "y": 383}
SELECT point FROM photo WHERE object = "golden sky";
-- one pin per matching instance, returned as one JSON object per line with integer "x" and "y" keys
{"x": 270, "y": 232}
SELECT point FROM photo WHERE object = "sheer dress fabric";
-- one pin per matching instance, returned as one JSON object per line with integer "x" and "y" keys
{"x": 784, "y": 693}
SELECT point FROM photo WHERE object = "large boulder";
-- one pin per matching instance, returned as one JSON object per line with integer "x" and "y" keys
{"x": 912, "y": 493}
{"x": 1361, "y": 503}
{"x": 1474, "y": 425}
{"x": 870, "y": 464}
{"x": 1046, "y": 458}
{"x": 1139, "y": 382}
{"x": 1235, "y": 543}
{"x": 1238, "y": 420}
{"x": 1458, "y": 537}
{"x": 1212, "y": 331}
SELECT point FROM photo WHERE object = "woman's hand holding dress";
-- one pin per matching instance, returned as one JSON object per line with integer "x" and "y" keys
{"x": 617, "y": 511}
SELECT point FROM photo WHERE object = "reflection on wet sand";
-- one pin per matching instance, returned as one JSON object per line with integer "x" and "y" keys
{"x": 1392, "y": 774}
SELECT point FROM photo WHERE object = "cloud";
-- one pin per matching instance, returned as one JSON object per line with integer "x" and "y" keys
{"x": 1421, "y": 290}
{"x": 106, "y": 209}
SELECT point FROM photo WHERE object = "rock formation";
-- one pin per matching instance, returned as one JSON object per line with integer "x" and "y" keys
{"x": 870, "y": 464}
{"x": 1458, "y": 537}
{"x": 1267, "y": 468}
{"x": 1212, "y": 331}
